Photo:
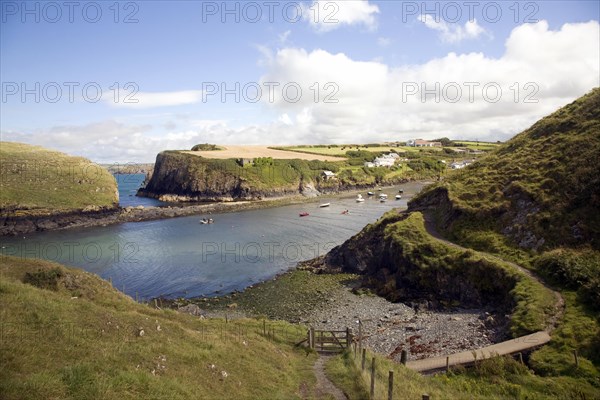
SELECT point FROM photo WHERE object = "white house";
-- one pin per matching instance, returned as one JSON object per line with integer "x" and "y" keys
{"x": 385, "y": 160}
{"x": 328, "y": 175}
{"x": 422, "y": 143}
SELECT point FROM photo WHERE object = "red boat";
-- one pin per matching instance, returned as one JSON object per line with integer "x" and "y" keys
{"x": 304, "y": 214}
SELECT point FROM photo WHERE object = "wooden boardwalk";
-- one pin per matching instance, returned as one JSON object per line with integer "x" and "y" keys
{"x": 513, "y": 346}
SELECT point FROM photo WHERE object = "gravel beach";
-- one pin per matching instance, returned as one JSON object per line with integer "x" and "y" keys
{"x": 336, "y": 301}
{"x": 388, "y": 328}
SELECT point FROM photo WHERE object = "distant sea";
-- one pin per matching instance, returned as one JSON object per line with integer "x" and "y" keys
{"x": 128, "y": 186}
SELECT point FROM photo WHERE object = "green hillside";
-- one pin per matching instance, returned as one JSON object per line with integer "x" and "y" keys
{"x": 538, "y": 191}
{"x": 66, "y": 334}
{"x": 35, "y": 181}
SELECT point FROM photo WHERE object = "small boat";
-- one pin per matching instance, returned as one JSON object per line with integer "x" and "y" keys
{"x": 304, "y": 214}
{"x": 383, "y": 196}
{"x": 345, "y": 212}
{"x": 400, "y": 191}
{"x": 205, "y": 221}
{"x": 380, "y": 189}
{"x": 324, "y": 205}
{"x": 382, "y": 199}
{"x": 370, "y": 193}
{"x": 398, "y": 197}
{"x": 359, "y": 198}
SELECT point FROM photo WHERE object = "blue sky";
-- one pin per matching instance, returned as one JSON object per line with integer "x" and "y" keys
{"x": 372, "y": 53}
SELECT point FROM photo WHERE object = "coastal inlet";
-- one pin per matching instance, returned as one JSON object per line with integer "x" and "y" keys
{"x": 180, "y": 257}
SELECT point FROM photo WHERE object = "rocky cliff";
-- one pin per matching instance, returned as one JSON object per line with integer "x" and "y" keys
{"x": 180, "y": 176}
{"x": 402, "y": 263}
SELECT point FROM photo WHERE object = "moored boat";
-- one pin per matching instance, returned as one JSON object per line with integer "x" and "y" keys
{"x": 324, "y": 205}
{"x": 359, "y": 198}
{"x": 398, "y": 197}
{"x": 304, "y": 214}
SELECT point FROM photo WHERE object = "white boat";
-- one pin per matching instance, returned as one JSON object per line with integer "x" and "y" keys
{"x": 370, "y": 193}
{"x": 382, "y": 199}
{"x": 324, "y": 205}
{"x": 359, "y": 198}
{"x": 398, "y": 197}
{"x": 383, "y": 196}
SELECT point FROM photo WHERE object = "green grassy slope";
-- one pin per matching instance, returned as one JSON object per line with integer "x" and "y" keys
{"x": 34, "y": 180}
{"x": 69, "y": 335}
{"x": 540, "y": 190}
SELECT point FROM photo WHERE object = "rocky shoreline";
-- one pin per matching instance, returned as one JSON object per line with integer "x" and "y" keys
{"x": 388, "y": 328}
{"x": 337, "y": 301}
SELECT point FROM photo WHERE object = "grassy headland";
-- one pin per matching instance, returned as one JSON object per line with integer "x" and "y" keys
{"x": 37, "y": 181}
{"x": 210, "y": 175}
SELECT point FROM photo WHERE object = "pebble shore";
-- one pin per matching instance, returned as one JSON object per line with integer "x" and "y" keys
{"x": 388, "y": 328}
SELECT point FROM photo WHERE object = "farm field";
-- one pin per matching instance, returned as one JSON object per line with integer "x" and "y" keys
{"x": 242, "y": 151}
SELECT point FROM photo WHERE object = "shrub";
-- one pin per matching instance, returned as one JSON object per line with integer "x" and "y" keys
{"x": 44, "y": 279}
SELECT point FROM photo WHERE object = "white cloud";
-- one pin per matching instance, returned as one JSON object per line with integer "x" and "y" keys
{"x": 454, "y": 33}
{"x": 563, "y": 65}
{"x": 551, "y": 67}
{"x": 327, "y": 15}
{"x": 142, "y": 100}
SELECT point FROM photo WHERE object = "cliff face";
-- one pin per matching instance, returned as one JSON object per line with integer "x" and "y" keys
{"x": 399, "y": 260}
{"x": 180, "y": 176}
{"x": 184, "y": 177}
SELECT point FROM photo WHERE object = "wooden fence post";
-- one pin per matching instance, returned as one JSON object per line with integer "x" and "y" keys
{"x": 155, "y": 303}
{"x": 425, "y": 396}
{"x": 391, "y": 385}
{"x": 521, "y": 358}
{"x": 447, "y": 363}
{"x": 373, "y": 378}
{"x": 359, "y": 336}
{"x": 264, "y": 328}
{"x": 348, "y": 337}
{"x": 403, "y": 357}
{"x": 311, "y": 337}
{"x": 364, "y": 356}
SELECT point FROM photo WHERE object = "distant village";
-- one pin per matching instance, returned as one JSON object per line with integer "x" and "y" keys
{"x": 388, "y": 160}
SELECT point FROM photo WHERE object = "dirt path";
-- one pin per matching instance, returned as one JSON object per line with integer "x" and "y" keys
{"x": 560, "y": 302}
{"x": 324, "y": 385}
